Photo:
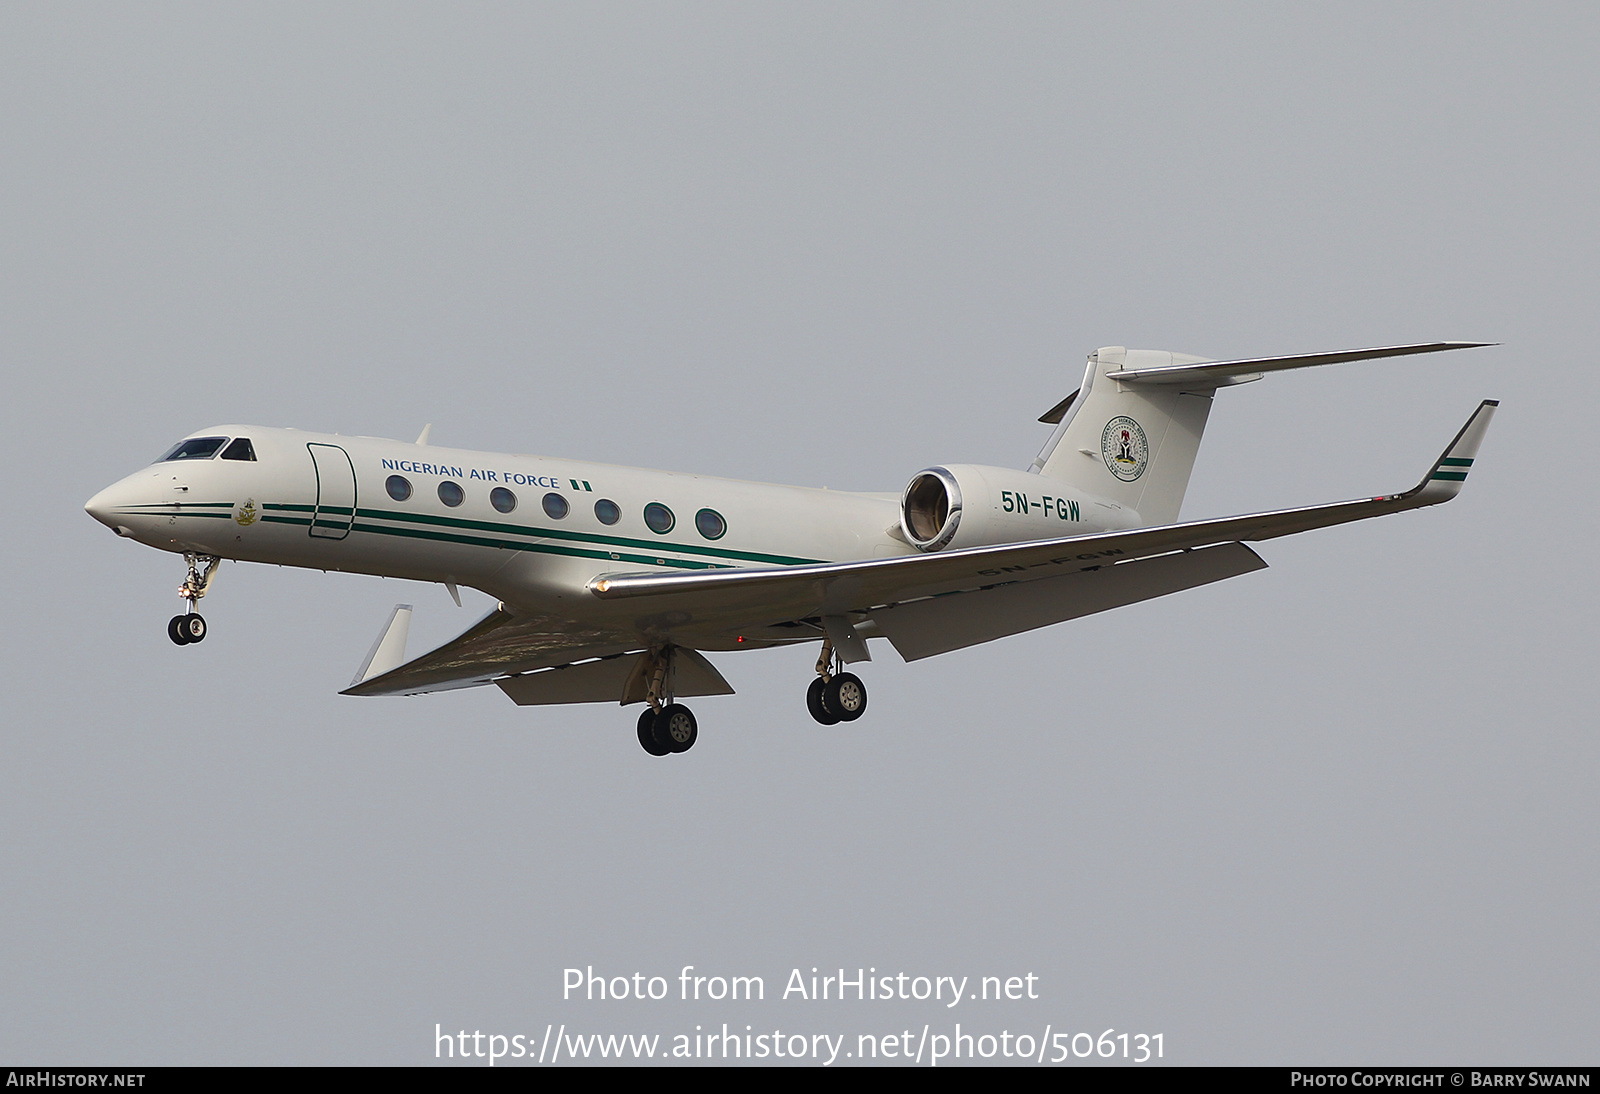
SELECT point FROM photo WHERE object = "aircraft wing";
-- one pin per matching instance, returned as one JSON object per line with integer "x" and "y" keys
{"x": 499, "y": 644}
{"x": 911, "y": 598}
{"x": 830, "y": 589}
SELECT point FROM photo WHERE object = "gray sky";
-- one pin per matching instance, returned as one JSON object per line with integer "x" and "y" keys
{"x": 1339, "y": 811}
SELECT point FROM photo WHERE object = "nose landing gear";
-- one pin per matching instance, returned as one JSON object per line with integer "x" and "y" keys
{"x": 190, "y": 626}
{"x": 835, "y": 697}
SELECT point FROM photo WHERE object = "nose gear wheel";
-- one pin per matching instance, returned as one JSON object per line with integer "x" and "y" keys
{"x": 185, "y": 629}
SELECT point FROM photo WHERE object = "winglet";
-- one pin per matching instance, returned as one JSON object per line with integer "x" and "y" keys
{"x": 1444, "y": 479}
{"x": 389, "y": 651}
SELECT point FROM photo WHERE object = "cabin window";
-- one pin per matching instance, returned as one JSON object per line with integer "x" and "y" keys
{"x": 710, "y": 524}
{"x": 399, "y": 488}
{"x": 607, "y": 511}
{"x": 195, "y": 448}
{"x": 240, "y": 449}
{"x": 451, "y": 493}
{"x": 658, "y": 518}
{"x": 555, "y": 506}
{"x": 502, "y": 499}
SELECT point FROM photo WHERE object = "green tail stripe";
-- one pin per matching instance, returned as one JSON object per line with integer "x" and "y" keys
{"x": 1451, "y": 476}
{"x": 1454, "y": 461}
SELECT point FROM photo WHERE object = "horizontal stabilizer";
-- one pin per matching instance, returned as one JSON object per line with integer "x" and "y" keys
{"x": 1225, "y": 372}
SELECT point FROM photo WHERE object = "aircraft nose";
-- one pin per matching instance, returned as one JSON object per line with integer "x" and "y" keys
{"x": 99, "y": 506}
{"x": 104, "y": 506}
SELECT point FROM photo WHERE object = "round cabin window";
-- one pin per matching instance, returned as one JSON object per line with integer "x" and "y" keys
{"x": 658, "y": 518}
{"x": 710, "y": 524}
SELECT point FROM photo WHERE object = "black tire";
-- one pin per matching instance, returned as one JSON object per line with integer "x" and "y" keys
{"x": 814, "y": 703}
{"x": 675, "y": 728}
{"x": 845, "y": 696}
{"x": 192, "y": 626}
{"x": 175, "y": 632}
{"x": 647, "y": 733}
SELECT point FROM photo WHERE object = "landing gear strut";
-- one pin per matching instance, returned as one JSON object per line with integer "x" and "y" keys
{"x": 190, "y": 627}
{"x": 665, "y": 727}
{"x": 835, "y": 697}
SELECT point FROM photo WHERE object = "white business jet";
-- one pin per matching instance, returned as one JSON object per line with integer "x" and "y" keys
{"x": 614, "y": 582}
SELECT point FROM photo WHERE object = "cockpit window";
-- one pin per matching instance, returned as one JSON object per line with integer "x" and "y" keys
{"x": 240, "y": 449}
{"x": 195, "y": 448}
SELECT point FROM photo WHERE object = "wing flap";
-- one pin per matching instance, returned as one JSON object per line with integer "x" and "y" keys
{"x": 609, "y": 680}
{"x": 923, "y": 628}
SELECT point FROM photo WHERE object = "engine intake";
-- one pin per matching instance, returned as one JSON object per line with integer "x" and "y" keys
{"x": 966, "y": 505}
{"x": 930, "y": 512}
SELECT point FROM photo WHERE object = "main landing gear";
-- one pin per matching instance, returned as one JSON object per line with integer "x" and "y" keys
{"x": 190, "y": 626}
{"x": 835, "y": 697}
{"x": 665, "y": 728}
{"x": 671, "y": 729}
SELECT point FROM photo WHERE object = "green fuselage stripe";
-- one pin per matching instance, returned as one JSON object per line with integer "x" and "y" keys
{"x": 594, "y": 545}
{"x": 509, "y": 545}
{"x": 559, "y": 533}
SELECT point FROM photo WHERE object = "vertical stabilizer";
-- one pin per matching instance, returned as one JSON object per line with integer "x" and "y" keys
{"x": 1130, "y": 443}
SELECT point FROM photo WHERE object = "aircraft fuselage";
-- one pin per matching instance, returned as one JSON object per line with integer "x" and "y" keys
{"x": 532, "y": 531}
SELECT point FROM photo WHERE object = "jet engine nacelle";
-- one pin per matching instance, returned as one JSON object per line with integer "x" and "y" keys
{"x": 966, "y": 505}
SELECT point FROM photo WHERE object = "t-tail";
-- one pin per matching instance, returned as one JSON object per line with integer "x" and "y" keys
{"x": 1131, "y": 432}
